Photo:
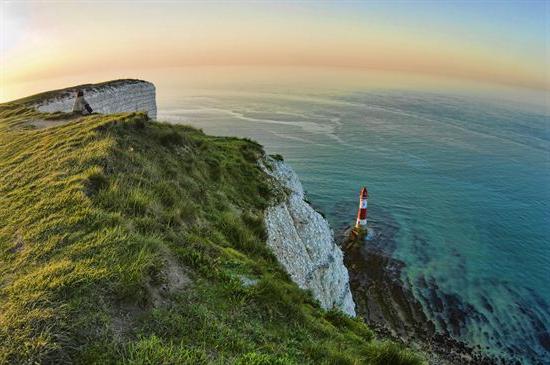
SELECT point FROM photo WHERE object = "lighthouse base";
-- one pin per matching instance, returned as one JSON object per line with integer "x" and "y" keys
{"x": 358, "y": 233}
{"x": 354, "y": 236}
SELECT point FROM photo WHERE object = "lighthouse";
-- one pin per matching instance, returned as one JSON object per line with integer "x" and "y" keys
{"x": 362, "y": 213}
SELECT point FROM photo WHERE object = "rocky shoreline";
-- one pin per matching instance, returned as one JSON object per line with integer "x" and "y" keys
{"x": 391, "y": 309}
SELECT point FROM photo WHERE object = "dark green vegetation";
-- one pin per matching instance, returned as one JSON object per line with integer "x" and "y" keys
{"x": 126, "y": 241}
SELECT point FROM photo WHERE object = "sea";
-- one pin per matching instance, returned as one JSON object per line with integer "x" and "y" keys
{"x": 463, "y": 180}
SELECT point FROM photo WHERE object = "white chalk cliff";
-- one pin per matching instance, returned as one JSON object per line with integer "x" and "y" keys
{"x": 118, "y": 96}
{"x": 304, "y": 244}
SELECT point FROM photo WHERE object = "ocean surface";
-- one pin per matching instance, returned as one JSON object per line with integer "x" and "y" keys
{"x": 465, "y": 181}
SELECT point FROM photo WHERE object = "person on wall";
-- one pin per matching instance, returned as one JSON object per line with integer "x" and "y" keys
{"x": 81, "y": 105}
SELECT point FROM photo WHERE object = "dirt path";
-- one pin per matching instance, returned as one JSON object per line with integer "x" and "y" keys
{"x": 39, "y": 123}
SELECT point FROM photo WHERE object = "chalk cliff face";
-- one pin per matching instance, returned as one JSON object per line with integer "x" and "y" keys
{"x": 112, "y": 97}
{"x": 304, "y": 244}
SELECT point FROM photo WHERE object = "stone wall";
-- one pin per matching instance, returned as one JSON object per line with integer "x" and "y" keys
{"x": 304, "y": 243}
{"x": 112, "y": 97}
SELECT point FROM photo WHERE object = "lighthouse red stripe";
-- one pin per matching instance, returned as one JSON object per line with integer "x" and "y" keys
{"x": 362, "y": 212}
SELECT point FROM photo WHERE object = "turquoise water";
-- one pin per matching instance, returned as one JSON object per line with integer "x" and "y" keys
{"x": 465, "y": 182}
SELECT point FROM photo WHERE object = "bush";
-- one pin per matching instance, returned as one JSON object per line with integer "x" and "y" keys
{"x": 95, "y": 182}
{"x": 342, "y": 322}
{"x": 214, "y": 169}
{"x": 170, "y": 138}
{"x": 233, "y": 229}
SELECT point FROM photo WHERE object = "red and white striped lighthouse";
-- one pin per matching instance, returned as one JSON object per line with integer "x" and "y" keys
{"x": 362, "y": 213}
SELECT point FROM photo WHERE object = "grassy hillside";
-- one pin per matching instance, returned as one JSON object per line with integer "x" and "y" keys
{"x": 128, "y": 241}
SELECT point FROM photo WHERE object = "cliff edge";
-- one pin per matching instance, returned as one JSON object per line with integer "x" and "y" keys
{"x": 111, "y": 97}
{"x": 304, "y": 243}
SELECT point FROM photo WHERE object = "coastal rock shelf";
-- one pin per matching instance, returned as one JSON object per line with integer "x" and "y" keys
{"x": 304, "y": 244}
{"x": 113, "y": 97}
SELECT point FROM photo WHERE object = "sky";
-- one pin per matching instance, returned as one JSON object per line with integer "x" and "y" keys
{"x": 498, "y": 42}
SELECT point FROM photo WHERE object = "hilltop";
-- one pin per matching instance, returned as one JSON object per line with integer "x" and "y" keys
{"x": 124, "y": 240}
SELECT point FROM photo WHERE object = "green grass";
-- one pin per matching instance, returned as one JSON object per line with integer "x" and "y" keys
{"x": 97, "y": 217}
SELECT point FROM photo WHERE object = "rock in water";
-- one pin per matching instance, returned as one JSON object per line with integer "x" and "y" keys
{"x": 304, "y": 243}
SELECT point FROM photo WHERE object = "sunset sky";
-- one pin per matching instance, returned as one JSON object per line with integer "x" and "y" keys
{"x": 502, "y": 43}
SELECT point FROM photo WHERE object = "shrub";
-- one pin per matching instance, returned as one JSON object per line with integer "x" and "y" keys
{"x": 95, "y": 181}
{"x": 214, "y": 169}
{"x": 170, "y": 138}
{"x": 343, "y": 322}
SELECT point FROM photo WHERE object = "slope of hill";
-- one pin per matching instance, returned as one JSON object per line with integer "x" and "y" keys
{"x": 129, "y": 241}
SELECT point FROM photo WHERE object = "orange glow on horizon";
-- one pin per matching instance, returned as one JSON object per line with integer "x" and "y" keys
{"x": 52, "y": 40}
